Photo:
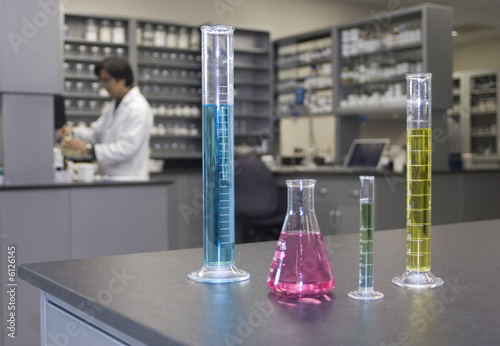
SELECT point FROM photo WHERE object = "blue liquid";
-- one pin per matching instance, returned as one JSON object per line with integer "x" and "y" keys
{"x": 218, "y": 185}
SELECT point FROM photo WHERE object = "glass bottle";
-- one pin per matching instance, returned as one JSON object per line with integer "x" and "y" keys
{"x": 91, "y": 30}
{"x": 194, "y": 39}
{"x": 160, "y": 36}
{"x": 148, "y": 35}
{"x": 183, "y": 39}
{"x": 300, "y": 266}
{"x": 171, "y": 37}
{"x": 105, "y": 31}
{"x": 119, "y": 32}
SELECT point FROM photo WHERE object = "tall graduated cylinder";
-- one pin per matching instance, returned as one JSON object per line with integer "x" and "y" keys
{"x": 418, "y": 179}
{"x": 218, "y": 157}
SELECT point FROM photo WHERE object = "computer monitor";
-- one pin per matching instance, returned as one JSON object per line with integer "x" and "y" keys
{"x": 366, "y": 154}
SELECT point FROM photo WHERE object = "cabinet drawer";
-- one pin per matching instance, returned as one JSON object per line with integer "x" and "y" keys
{"x": 64, "y": 328}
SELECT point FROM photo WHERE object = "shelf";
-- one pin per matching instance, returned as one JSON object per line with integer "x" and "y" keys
{"x": 179, "y": 82}
{"x": 242, "y": 66}
{"x": 89, "y": 59}
{"x": 94, "y": 43}
{"x": 292, "y": 91}
{"x": 250, "y": 99}
{"x": 173, "y": 99}
{"x": 167, "y": 49}
{"x": 384, "y": 51}
{"x": 190, "y": 66}
{"x": 252, "y": 67}
{"x": 373, "y": 82}
{"x": 488, "y": 112}
{"x": 86, "y": 96}
{"x": 483, "y": 135}
{"x": 260, "y": 51}
{"x": 176, "y": 156}
{"x": 85, "y": 77}
{"x": 74, "y": 113}
{"x": 304, "y": 63}
{"x": 175, "y": 137}
{"x": 249, "y": 83}
{"x": 485, "y": 91}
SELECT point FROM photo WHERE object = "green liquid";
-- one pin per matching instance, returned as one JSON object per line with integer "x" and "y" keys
{"x": 418, "y": 209}
{"x": 366, "y": 245}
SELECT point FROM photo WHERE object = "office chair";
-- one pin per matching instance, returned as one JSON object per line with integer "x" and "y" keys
{"x": 259, "y": 210}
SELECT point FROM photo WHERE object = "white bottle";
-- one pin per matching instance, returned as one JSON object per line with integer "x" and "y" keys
{"x": 105, "y": 31}
{"x": 183, "y": 40}
{"x": 171, "y": 37}
{"x": 91, "y": 30}
{"x": 118, "y": 32}
{"x": 160, "y": 36}
{"x": 148, "y": 35}
{"x": 194, "y": 39}
{"x": 138, "y": 35}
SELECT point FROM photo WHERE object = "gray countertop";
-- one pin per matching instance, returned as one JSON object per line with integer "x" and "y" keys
{"x": 154, "y": 179}
{"x": 154, "y": 302}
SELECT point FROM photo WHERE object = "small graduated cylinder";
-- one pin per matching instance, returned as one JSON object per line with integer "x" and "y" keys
{"x": 366, "y": 228}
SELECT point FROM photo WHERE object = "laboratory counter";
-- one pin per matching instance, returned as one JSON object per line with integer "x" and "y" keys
{"x": 147, "y": 299}
{"x": 154, "y": 179}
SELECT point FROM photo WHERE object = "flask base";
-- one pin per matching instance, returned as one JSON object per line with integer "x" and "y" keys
{"x": 223, "y": 274}
{"x": 412, "y": 279}
{"x": 365, "y": 294}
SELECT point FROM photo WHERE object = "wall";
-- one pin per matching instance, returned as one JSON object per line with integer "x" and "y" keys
{"x": 281, "y": 17}
{"x": 477, "y": 56}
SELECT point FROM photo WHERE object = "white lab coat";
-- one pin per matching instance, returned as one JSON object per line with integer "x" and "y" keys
{"x": 121, "y": 137}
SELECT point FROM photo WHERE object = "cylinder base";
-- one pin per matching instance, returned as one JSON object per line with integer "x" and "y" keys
{"x": 411, "y": 279}
{"x": 219, "y": 274}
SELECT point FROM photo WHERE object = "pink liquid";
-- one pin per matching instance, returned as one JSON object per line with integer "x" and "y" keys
{"x": 300, "y": 266}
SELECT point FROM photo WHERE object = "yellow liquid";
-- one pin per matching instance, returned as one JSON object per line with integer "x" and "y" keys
{"x": 418, "y": 209}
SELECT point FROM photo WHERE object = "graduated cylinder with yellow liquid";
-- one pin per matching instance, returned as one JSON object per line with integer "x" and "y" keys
{"x": 418, "y": 179}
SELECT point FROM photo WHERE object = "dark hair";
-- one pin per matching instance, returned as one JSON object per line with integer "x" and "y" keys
{"x": 118, "y": 68}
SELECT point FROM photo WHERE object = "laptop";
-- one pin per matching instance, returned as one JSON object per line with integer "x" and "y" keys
{"x": 366, "y": 154}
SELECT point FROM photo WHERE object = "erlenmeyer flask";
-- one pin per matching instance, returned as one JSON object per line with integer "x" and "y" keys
{"x": 300, "y": 266}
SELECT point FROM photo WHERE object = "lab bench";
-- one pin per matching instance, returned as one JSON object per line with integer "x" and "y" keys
{"x": 147, "y": 299}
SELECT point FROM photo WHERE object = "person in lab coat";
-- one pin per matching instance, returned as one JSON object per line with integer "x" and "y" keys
{"x": 119, "y": 139}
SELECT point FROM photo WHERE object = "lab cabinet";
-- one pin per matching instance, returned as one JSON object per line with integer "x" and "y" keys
{"x": 169, "y": 76}
{"x": 356, "y": 73}
{"x": 59, "y": 222}
{"x": 88, "y": 41}
{"x": 304, "y": 62}
{"x": 35, "y": 223}
{"x": 476, "y": 110}
{"x": 373, "y": 56}
{"x": 166, "y": 60}
{"x": 62, "y": 327}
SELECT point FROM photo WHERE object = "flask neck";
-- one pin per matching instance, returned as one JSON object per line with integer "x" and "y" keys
{"x": 301, "y": 196}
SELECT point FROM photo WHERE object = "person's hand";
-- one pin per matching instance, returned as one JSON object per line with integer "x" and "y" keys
{"x": 64, "y": 131}
{"x": 75, "y": 145}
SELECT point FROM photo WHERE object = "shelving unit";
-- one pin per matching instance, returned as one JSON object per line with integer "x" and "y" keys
{"x": 372, "y": 58}
{"x": 253, "y": 100}
{"x": 166, "y": 60}
{"x": 83, "y": 49}
{"x": 304, "y": 62}
{"x": 476, "y": 106}
{"x": 303, "y": 82}
{"x": 483, "y": 93}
